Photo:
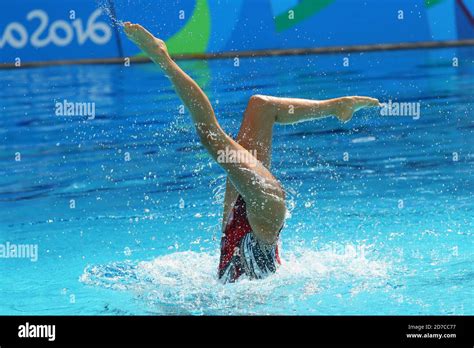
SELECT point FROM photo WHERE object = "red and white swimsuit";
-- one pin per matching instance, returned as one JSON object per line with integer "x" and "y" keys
{"x": 241, "y": 252}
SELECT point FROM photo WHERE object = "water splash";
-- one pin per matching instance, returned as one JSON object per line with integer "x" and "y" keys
{"x": 108, "y": 9}
{"x": 186, "y": 282}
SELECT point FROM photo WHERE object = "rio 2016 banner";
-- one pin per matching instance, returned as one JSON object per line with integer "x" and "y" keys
{"x": 54, "y": 30}
{"x": 46, "y": 30}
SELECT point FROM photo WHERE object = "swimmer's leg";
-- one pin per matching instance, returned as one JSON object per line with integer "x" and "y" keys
{"x": 255, "y": 135}
{"x": 293, "y": 110}
{"x": 262, "y": 193}
{"x": 263, "y": 112}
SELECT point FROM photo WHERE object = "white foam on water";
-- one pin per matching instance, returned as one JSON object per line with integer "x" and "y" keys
{"x": 186, "y": 282}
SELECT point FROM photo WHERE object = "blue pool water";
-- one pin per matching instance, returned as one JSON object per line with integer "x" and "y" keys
{"x": 380, "y": 210}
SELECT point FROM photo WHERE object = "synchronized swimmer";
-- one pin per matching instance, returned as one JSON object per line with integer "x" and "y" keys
{"x": 254, "y": 204}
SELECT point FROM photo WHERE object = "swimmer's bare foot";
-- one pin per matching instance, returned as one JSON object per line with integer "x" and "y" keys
{"x": 152, "y": 46}
{"x": 345, "y": 107}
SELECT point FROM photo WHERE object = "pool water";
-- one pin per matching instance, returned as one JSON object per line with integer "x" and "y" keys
{"x": 125, "y": 207}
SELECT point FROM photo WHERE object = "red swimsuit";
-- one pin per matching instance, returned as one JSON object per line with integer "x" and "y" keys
{"x": 241, "y": 252}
